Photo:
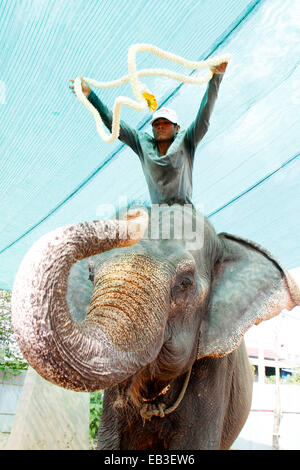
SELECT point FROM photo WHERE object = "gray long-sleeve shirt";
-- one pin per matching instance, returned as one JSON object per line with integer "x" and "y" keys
{"x": 169, "y": 177}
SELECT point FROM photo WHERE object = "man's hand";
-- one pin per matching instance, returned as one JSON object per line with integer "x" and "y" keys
{"x": 219, "y": 68}
{"x": 85, "y": 88}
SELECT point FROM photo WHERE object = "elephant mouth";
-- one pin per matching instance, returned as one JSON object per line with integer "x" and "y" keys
{"x": 158, "y": 381}
{"x": 142, "y": 388}
{"x": 152, "y": 397}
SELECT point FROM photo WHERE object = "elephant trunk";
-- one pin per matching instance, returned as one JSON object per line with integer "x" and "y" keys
{"x": 90, "y": 355}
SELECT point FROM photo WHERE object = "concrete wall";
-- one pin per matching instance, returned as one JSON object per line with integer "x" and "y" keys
{"x": 41, "y": 416}
{"x": 10, "y": 390}
{"x": 257, "y": 433}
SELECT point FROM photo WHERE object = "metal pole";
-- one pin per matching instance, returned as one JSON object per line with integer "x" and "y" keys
{"x": 277, "y": 410}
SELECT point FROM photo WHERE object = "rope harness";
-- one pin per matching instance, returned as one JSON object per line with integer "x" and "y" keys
{"x": 151, "y": 409}
{"x": 143, "y": 96}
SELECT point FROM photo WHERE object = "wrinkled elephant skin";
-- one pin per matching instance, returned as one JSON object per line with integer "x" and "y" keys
{"x": 163, "y": 330}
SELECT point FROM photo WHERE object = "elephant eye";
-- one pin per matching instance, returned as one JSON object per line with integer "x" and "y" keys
{"x": 186, "y": 282}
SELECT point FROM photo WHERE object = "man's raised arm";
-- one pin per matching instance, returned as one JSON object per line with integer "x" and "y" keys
{"x": 127, "y": 134}
{"x": 198, "y": 128}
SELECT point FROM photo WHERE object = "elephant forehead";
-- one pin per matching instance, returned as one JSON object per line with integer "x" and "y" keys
{"x": 164, "y": 259}
{"x": 135, "y": 263}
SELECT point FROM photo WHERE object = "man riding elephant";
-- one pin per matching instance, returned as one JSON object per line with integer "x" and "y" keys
{"x": 167, "y": 158}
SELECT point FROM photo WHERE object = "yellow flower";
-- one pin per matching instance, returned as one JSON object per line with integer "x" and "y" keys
{"x": 151, "y": 101}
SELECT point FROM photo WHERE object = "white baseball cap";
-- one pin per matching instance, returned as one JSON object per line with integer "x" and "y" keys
{"x": 166, "y": 113}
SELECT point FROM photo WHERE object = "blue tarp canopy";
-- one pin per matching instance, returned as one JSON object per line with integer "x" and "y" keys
{"x": 55, "y": 169}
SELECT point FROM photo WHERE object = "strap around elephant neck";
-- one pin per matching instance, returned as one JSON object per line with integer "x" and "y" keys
{"x": 150, "y": 409}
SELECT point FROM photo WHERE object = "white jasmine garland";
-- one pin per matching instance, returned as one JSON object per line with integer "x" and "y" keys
{"x": 139, "y": 89}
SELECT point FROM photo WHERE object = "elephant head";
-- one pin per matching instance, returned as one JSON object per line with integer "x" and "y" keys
{"x": 156, "y": 305}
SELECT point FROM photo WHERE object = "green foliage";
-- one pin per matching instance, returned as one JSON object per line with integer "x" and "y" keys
{"x": 5, "y": 317}
{"x": 271, "y": 379}
{"x": 290, "y": 380}
{"x": 96, "y": 403}
{"x": 11, "y": 358}
{"x": 295, "y": 378}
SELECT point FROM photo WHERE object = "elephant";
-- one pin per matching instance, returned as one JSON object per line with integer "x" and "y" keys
{"x": 163, "y": 324}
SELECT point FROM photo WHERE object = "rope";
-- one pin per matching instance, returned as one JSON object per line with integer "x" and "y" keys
{"x": 143, "y": 96}
{"x": 150, "y": 409}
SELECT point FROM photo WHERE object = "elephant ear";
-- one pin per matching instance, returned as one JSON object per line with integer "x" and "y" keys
{"x": 248, "y": 286}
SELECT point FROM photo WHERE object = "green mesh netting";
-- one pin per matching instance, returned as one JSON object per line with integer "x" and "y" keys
{"x": 56, "y": 170}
